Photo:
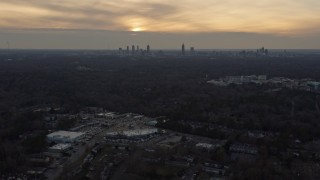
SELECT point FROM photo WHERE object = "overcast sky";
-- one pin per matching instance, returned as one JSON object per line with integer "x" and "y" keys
{"x": 100, "y": 24}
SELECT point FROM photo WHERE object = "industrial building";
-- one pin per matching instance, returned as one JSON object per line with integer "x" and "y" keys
{"x": 60, "y": 147}
{"x": 132, "y": 135}
{"x": 64, "y": 136}
{"x": 152, "y": 123}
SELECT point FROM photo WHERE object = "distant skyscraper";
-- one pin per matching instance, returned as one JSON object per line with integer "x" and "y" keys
{"x": 128, "y": 49}
{"x": 148, "y": 48}
{"x": 183, "y": 49}
{"x": 133, "y": 49}
{"x": 138, "y": 48}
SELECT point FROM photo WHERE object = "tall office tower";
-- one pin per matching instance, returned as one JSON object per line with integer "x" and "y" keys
{"x": 128, "y": 50}
{"x": 192, "y": 49}
{"x": 138, "y": 48}
{"x": 133, "y": 49}
{"x": 148, "y": 48}
{"x": 183, "y": 49}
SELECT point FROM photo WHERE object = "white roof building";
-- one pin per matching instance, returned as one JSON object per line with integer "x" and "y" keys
{"x": 209, "y": 146}
{"x": 140, "y": 132}
{"x": 60, "y": 147}
{"x": 64, "y": 136}
{"x": 134, "y": 133}
{"x": 204, "y": 145}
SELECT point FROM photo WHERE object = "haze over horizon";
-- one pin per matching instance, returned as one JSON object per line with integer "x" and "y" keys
{"x": 208, "y": 24}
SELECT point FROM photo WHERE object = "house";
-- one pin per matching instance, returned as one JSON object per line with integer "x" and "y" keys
{"x": 243, "y": 148}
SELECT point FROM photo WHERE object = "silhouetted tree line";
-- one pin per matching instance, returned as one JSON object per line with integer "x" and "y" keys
{"x": 173, "y": 87}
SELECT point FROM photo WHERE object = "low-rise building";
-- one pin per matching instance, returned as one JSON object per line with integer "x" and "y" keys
{"x": 132, "y": 135}
{"x": 64, "y": 136}
{"x": 60, "y": 147}
{"x": 314, "y": 85}
{"x": 244, "y": 148}
{"x": 205, "y": 146}
{"x": 210, "y": 146}
{"x": 152, "y": 123}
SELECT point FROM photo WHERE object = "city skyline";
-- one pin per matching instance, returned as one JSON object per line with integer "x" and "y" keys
{"x": 112, "y": 40}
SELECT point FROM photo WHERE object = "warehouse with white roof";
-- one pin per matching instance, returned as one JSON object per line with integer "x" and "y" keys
{"x": 64, "y": 136}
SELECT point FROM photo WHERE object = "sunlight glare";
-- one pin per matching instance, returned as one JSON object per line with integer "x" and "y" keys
{"x": 136, "y": 29}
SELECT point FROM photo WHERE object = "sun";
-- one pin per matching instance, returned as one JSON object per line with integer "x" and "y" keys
{"x": 136, "y": 29}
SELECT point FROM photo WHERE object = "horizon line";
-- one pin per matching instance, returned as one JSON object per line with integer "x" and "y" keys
{"x": 156, "y": 49}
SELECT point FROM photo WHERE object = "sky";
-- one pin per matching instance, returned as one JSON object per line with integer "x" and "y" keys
{"x": 99, "y": 24}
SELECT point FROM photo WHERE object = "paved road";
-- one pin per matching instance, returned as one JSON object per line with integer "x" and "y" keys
{"x": 53, "y": 174}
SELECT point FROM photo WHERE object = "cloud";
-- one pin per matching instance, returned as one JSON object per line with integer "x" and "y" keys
{"x": 284, "y": 17}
